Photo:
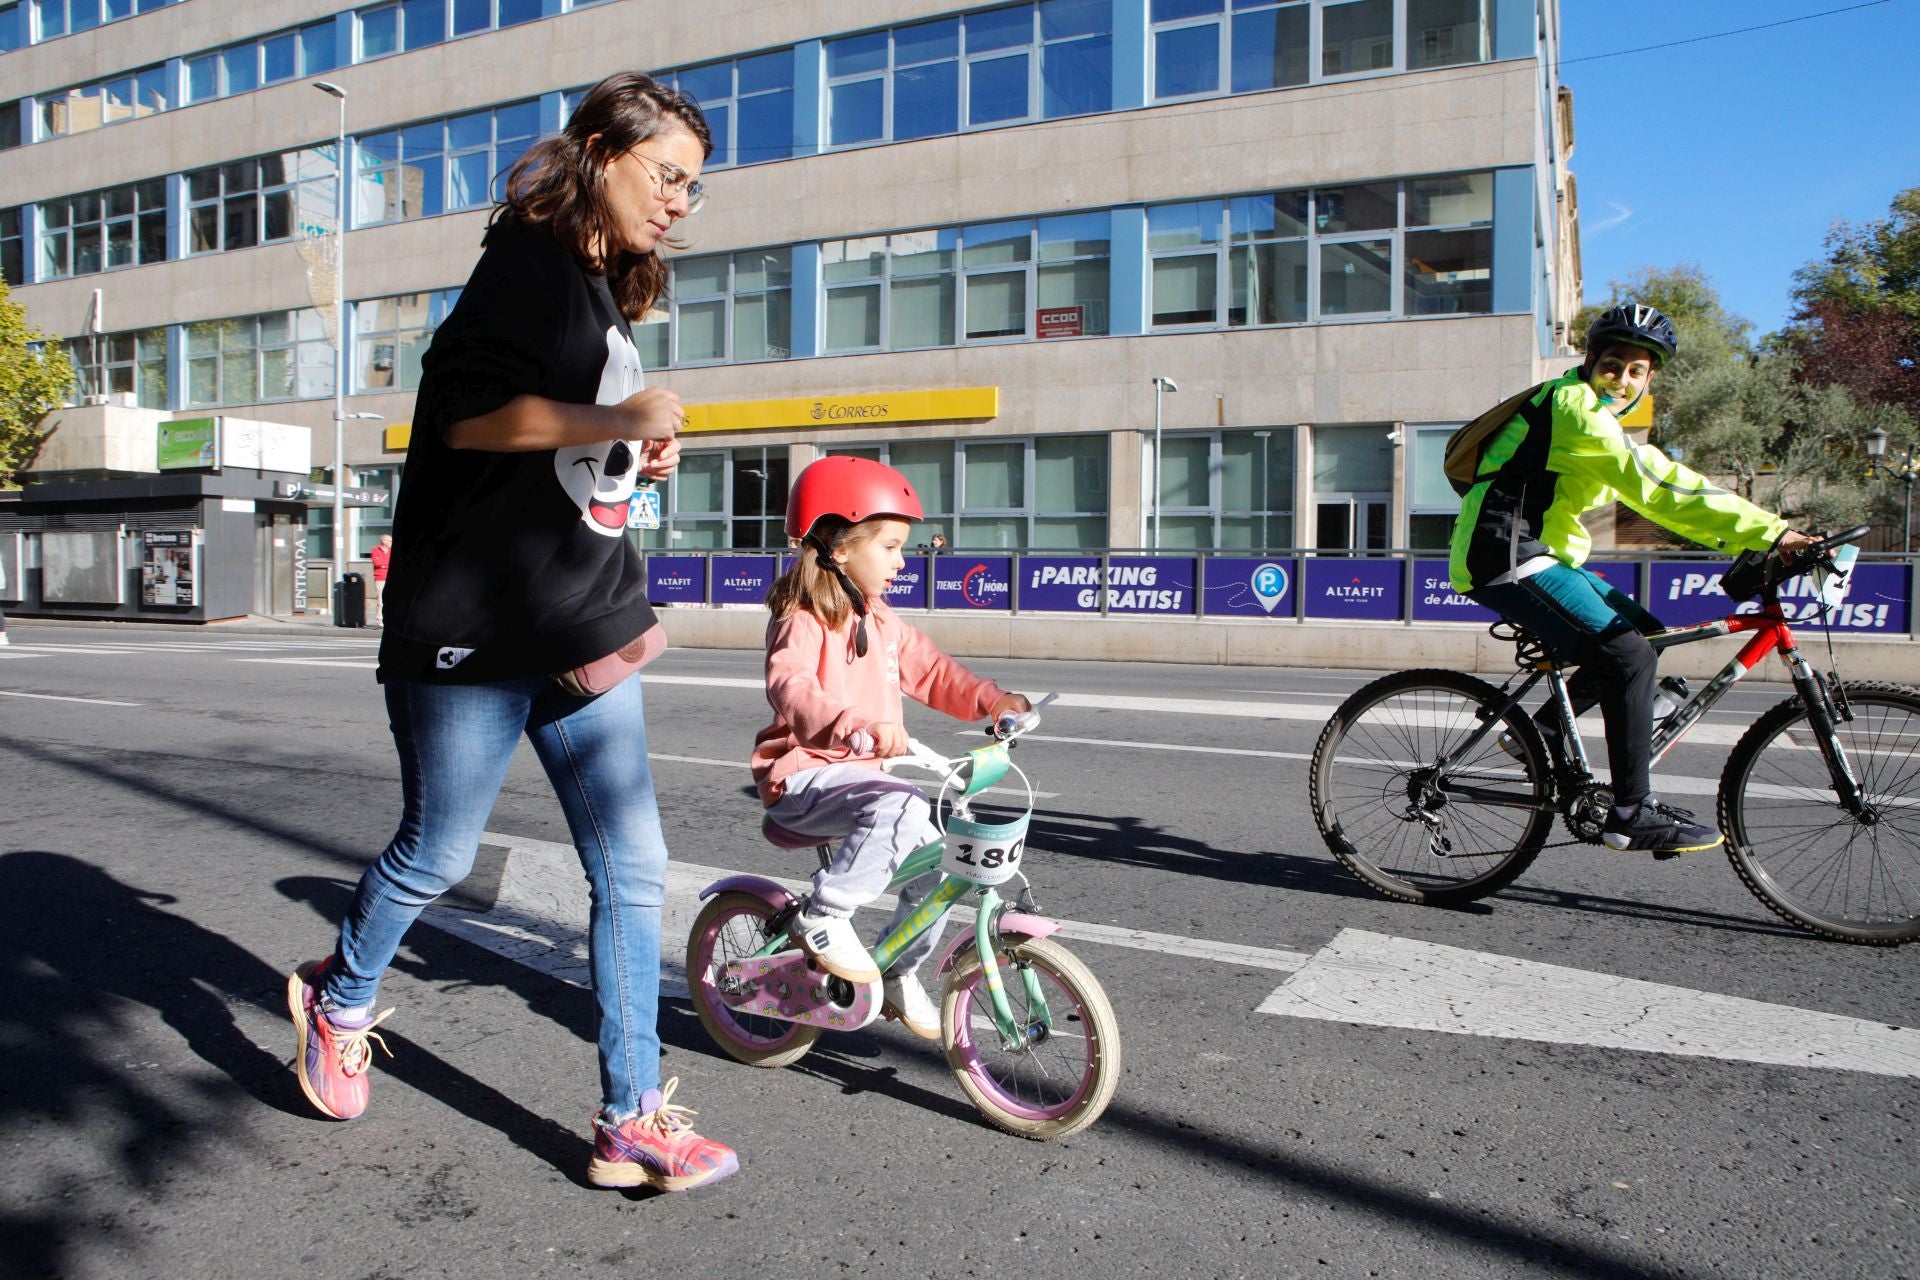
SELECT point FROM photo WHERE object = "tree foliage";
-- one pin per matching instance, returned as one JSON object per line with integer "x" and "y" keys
{"x": 1857, "y": 323}
{"x": 35, "y": 376}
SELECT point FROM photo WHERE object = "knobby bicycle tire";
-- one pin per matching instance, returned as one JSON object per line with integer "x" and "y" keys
{"x": 1368, "y": 807}
{"x": 1794, "y": 845}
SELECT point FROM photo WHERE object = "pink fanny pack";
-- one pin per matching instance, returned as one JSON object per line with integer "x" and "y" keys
{"x": 591, "y": 679}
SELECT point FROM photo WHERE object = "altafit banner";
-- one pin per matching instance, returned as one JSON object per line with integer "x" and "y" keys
{"x": 1354, "y": 590}
{"x": 677, "y": 579}
{"x": 743, "y": 579}
{"x": 909, "y": 589}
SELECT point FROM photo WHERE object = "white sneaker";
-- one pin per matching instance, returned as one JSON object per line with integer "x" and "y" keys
{"x": 3, "y": 639}
{"x": 832, "y": 941}
{"x": 904, "y": 999}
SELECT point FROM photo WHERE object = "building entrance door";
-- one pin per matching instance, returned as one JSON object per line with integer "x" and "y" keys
{"x": 1355, "y": 523}
{"x": 273, "y": 568}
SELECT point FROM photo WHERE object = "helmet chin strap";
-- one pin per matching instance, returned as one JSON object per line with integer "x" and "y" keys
{"x": 854, "y": 594}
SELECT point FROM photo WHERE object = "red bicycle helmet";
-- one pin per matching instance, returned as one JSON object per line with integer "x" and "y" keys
{"x": 854, "y": 489}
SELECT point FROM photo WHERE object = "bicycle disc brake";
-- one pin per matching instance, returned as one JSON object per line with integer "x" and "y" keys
{"x": 1585, "y": 811}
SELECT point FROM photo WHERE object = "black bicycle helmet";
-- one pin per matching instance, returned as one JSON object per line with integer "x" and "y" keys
{"x": 1638, "y": 325}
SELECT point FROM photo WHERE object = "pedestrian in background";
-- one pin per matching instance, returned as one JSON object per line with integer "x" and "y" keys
{"x": 531, "y": 430}
{"x": 382, "y": 557}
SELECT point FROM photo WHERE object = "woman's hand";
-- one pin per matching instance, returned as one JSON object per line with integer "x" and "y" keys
{"x": 653, "y": 414}
{"x": 659, "y": 458}
{"x": 889, "y": 739}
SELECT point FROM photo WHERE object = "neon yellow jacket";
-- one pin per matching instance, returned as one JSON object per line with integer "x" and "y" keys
{"x": 1542, "y": 471}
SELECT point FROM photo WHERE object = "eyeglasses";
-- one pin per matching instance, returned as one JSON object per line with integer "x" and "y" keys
{"x": 674, "y": 181}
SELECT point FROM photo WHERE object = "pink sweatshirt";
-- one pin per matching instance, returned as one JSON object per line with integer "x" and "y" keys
{"x": 822, "y": 694}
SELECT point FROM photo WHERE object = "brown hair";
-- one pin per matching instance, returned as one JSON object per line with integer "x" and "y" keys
{"x": 557, "y": 182}
{"x": 811, "y": 585}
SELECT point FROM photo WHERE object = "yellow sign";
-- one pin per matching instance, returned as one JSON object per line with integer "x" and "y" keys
{"x": 398, "y": 436}
{"x": 882, "y": 409}
{"x": 1641, "y": 416}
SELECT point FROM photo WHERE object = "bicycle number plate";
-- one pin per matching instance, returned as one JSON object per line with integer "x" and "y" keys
{"x": 979, "y": 860}
{"x": 1833, "y": 587}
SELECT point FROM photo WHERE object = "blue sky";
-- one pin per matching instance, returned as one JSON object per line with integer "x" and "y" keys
{"x": 1736, "y": 153}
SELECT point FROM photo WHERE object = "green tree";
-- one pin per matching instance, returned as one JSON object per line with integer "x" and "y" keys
{"x": 35, "y": 376}
{"x": 1857, "y": 323}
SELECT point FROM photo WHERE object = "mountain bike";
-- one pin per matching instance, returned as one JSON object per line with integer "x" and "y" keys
{"x": 1436, "y": 787}
{"x": 1028, "y": 1031}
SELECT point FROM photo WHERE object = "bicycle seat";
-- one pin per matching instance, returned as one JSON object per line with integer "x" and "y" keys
{"x": 787, "y": 837}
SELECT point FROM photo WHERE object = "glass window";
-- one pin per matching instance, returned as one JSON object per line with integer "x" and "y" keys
{"x": 997, "y": 89}
{"x": 423, "y": 22}
{"x": 926, "y": 100}
{"x": 1356, "y": 277}
{"x": 1372, "y": 207}
{"x": 470, "y": 16}
{"x": 1076, "y": 57}
{"x": 393, "y": 336}
{"x": 317, "y": 48}
{"x": 1455, "y": 200}
{"x": 1269, "y": 48}
{"x": 1449, "y": 272}
{"x": 239, "y": 69}
{"x": 1442, "y": 33}
{"x": 855, "y": 112}
{"x": 1356, "y": 36}
{"x": 379, "y": 32}
{"x": 279, "y": 58}
{"x": 1186, "y": 60}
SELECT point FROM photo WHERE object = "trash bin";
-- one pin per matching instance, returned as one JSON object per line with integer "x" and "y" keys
{"x": 350, "y": 601}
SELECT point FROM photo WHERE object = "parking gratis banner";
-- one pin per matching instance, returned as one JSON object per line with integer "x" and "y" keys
{"x": 1249, "y": 587}
{"x": 1879, "y": 598}
{"x": 1134, "y": 584}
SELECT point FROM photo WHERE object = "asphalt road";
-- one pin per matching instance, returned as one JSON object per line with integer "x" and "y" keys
{"x": 181, "y": 816}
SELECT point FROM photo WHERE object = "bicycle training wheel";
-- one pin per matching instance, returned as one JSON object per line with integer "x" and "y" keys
{"x": 1064, "y": 1076}
{"x": 1854, "y": 878}
{"x": 732, "y": 926}
{"x": 1376, "y": 795}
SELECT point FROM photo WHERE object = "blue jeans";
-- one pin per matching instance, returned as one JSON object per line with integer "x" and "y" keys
{"x": 455, "y": 743}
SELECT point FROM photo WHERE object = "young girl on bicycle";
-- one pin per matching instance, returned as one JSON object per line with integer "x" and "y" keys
{"x": 838, "y": 661}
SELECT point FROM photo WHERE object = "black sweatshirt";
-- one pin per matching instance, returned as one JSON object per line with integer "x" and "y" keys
{"x": 516, "y": 564}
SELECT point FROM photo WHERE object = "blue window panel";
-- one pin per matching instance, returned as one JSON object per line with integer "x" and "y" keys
{"x": 521, "y": 120}
{"x": 768, "y": 71}
{"x": 423, "y": 22}
{"x": 379, "y": 32}
{"x": 854, "y": 112}
{"x": 926, "y": 101}
{"x": 377, "y": 149}
{"x": 240, "y": 69}
{"x": 504, "y": 157}
{"x": 1186, "y": 60}
{"x": 765, "y": 129}
{"x": 1076, "y": 77}
{"x": 53, "y": 18}
{"x": 280, "y": 58}
{"x": 1062, "y": 18}
{"x": 1171, "y": 10}
{"x": 926, "y": 42}
{"x": 317, "y": 48}
{"x": 152, "y": 93}
{"x": 708, "y": 84}
{"x": 470, "y": 16}
{"x": 515, "y": 12}
{"x": 857, "y": 54}
{"x": 11, "y": 24}
{"x": 468, "y": 180}
{"x": 1269, "y": 49}
{"x": 85, "y": 15}
{"x": 203, "y": 78}
{"x": 465, "y": 132}
{"x": 718, "y": 119}
{"x": 118, "y": 9}
{"x": 421, "y": 139}
{"x": 997, "y": 89}
{"x": 1000, "y": 29}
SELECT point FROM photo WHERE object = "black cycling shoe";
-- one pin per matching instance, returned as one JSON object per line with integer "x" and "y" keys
{"x": 1661, "y": 829}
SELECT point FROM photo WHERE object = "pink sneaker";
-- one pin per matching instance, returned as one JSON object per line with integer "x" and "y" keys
{"x": 657, "y": 1148}
{"x": 333, "y": 1056}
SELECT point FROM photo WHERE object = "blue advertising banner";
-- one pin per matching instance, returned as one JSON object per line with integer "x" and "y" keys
{"x": 1362, "y": 590}
{"x": 962, "y": 581}
{"x": 676, "y": 579}
{"x": 1879, "y": 598}
{"x": 1241, "y": 587}
{"x": 909, "y": 589}
{"x": 742, "y": 579}
{"x": 1435, "y": 600}
{"x": 1134, "y": 584}
{"x": 1624, "y": 578}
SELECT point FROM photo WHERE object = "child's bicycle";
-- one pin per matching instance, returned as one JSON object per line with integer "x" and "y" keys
{"x": 1436, "y": 787}
{"x": 1039, "y": 1055}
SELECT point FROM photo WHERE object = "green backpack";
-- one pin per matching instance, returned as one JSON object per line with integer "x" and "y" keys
{"x": 1465, "y": 446}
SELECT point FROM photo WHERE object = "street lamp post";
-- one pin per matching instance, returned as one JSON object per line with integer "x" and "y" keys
{"x": 1160, "y": 384}
{"x": 1263, "y": 489}
{"x": 339, "y": 336}
{"x": 1877, "y": 450}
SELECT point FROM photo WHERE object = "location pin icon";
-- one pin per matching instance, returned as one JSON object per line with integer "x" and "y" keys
{"x": 1269, "y": 584}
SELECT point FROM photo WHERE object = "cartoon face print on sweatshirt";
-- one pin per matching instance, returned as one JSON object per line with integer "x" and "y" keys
{"x": 600, "y": 477}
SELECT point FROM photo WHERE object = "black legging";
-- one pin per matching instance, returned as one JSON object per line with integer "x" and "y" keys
{"x": 1618, "y": 673}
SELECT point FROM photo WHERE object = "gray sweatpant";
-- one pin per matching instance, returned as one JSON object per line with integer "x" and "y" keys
{"x": 882, "y": 820}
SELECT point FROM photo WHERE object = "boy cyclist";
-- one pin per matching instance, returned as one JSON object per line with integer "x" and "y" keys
{"x": 1554, "y": 453}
